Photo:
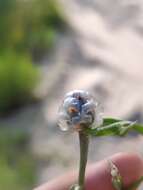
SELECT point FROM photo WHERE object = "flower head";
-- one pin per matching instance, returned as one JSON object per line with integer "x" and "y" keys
{"x": 79, "y": 109}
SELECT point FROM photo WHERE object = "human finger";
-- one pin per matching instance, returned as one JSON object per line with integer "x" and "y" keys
{"x": 98, "y": 175}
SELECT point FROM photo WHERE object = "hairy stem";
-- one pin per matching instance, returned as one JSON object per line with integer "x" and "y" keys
{"x": 84, "y": 141}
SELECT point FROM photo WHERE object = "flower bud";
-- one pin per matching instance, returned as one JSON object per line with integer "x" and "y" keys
{"x": 79, "y": 109}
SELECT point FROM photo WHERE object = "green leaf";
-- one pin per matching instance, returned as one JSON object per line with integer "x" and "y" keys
{"x": 135, "y": 184}
{"x": 138, "y": 128}
{"x": 113, "y": 126}
{"x": 108, "y": 121}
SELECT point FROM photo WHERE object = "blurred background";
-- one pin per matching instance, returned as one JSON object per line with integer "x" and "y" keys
{"x": 47, "y": 48}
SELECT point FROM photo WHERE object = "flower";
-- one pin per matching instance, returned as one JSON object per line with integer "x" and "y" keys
{"x": 79, "y": 109}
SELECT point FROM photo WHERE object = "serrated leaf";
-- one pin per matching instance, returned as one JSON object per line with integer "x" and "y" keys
{"x": 116, "y": 127}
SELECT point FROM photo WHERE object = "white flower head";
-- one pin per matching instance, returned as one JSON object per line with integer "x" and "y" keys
{"x": 79, "y": 109}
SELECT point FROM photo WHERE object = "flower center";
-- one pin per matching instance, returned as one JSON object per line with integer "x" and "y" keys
{"x": 72, "y": 110}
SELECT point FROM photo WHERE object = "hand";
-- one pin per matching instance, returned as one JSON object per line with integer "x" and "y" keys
{"x": 98, "y": 175}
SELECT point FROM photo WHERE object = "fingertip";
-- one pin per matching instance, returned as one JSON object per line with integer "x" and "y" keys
{"x": 130, "y": 166}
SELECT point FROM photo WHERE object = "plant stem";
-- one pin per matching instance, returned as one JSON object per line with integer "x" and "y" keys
{"x": 84, "y": 141}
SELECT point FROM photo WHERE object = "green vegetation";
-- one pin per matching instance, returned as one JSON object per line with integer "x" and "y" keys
{"x": 29, "y": 25}
{"x": 17, "y": 166}
{"x": 28, "y": 29}
{"x": 18, "y": 78}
